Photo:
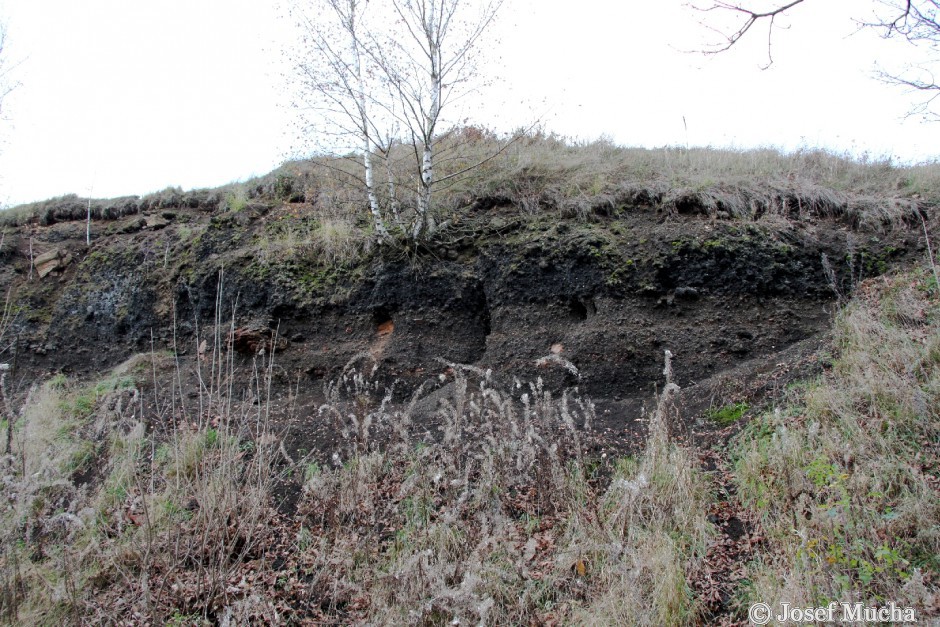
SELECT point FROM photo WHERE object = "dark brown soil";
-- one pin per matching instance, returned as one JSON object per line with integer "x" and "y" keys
{"x": 591, "y": 304}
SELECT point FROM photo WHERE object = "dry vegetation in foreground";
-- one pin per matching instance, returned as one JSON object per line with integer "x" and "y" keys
{"x": 845, "y": 477}
{"x": 539, "y": 172}
{"x": 499, "y": 520}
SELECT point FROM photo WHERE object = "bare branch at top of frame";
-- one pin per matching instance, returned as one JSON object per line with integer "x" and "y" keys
{"x": 750, "y": 18}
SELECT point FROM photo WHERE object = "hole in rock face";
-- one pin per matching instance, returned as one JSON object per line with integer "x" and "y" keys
{"x": 485, "y": 316}
{"x": 382, "y": 319}
{"x": 381, "y": 315}
{"x": 690, "y": 205}
{"x": 282, "y": 312}
{"x": 477, "y": 325}
{"x": 579, "y": 309}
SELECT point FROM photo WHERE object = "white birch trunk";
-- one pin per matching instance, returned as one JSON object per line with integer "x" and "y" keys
{"x": 380, "y": 229}
{"x": 392, "y": 199}
{"x": 370, "y": 190}
{"x": 430, "y": 123}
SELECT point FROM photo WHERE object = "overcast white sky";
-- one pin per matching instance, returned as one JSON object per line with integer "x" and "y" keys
{"x": 121, "y": 97}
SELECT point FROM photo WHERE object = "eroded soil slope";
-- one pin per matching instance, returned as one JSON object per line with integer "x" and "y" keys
{"x": 590, "y": 302}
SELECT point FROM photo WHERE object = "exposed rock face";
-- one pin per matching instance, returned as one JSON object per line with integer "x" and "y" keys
{"x": 573, "y": 302}
{"x": 54, "y": 260}
{"x": 256, "y": 339}
{"x": 156, "y": 222}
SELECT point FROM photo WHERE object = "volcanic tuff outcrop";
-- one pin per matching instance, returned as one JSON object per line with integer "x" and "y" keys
{"x": 591, "y": 302}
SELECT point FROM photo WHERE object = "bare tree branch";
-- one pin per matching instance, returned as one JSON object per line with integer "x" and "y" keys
{"x": 7, "y": 82}
{"x": 750, "y": 17}
{"x": 915, "y": 21}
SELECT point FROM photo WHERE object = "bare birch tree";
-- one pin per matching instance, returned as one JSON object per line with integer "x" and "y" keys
{"x": 387, "y": 79}
{"x": 335, "y": 77}
{"x": 429, "y": 66}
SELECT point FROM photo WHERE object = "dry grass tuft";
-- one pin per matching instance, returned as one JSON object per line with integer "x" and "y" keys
{"x": 502, "y": 520}
{"x": 652, "y": 531}
{"x": 327, "y": 239}
{"x": 106, "y": 518}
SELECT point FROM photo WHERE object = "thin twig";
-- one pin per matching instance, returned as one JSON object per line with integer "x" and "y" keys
{"x": 933, "y": 265}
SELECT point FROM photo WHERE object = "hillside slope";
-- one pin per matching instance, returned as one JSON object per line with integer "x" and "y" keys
{"x": 352, "y": 409}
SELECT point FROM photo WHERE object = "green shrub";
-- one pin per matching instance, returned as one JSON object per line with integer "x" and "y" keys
{"x": 728, "y": 414}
